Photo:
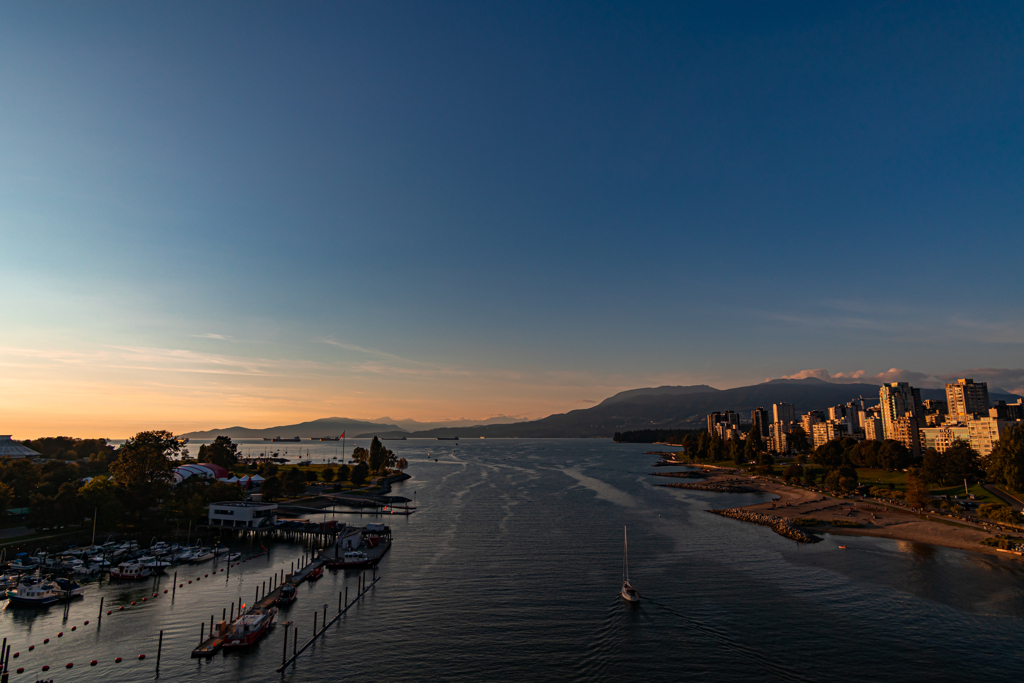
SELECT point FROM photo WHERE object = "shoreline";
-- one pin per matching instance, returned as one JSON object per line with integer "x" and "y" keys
{"x": 876, "y": 519}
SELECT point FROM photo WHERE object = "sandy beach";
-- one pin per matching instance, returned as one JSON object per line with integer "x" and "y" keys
{"x": 875, "y": 518}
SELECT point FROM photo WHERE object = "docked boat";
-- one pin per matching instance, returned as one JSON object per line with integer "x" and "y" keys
{"x": 352, "y": 558}
{"x": 220, "y": 549}
{"x": 201, "y": 555}
{"x": 23, "y": 563}
{"x": 68, "y": 589}
{"x": 249, "y": 627}
{"x": 32, "y": 591}
{"x": 315, "y": 574}
{"x": 287, "y": 595}
{"x": 628, "y": 593}
{"x": 234, "y": 556}
{"x": 131, "y": 571}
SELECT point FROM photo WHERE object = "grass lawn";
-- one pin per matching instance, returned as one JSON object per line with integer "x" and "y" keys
{"x": 980, "y": 494}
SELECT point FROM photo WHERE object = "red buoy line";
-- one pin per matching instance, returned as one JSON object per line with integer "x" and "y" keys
{"x": 117, "y": 660}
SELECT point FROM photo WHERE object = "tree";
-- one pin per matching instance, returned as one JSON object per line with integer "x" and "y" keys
{"x": 754, "y": 447}
{"x": 6, "y": 498}
{"x": 359, "y": 474}
{"x": 832, "y": 481}
{"x": 343, "y": 473}
{"x": 998, "y": 513}
{"x": 792, "y": 472}
{"x": 360, "y": 454}
{"x": 1006, "y": 463}
{"x": 267, "y": 469}
{"x": 23, "y": 476}
{"x": 145, "y": 458}
{"x": 272, "y": 488}
{"x": 736, "y": 449}
{"x": 295, "y": 482}
{"x": 797, "y": 439}
{"x": 810, "y": 476}
{"x": 221, "y": 452}
{"x": 917, "y": 495}
{"x": 765, "y": 462}
{"x": 380, "y": 457}
{"x": 402, "y": 464}
{"x": 101, "y": 498}
{"x": 328, "y": 474}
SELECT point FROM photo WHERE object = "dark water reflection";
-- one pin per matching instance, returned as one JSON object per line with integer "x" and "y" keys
{"x": 510, "y": 571}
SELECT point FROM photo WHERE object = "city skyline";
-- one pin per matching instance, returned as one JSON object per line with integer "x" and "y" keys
{"x": 218, "y": 215}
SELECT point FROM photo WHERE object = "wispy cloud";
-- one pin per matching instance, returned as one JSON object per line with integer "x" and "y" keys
{"x": 210, "y": 335}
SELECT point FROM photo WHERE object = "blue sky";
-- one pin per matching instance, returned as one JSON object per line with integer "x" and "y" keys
{"x": 253, "y": 212}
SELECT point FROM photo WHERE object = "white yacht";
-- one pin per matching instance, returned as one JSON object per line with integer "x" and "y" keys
{"x": 628, "y": 593}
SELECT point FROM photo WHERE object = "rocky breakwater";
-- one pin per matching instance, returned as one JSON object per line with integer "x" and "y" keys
{"x": 695, "y": 474}
{"x": 779, "y": 525}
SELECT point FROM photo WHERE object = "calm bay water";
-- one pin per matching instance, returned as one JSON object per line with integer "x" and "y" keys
{"x": 510, "y": 571}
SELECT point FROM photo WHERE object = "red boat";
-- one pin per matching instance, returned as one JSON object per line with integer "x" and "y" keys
{"x": 288, "y": 595}
{"x": 315, "y": 574}
{"x": 250, "y": 627}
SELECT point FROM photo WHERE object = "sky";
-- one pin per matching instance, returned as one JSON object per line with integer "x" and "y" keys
{"x": 246, "y": 213}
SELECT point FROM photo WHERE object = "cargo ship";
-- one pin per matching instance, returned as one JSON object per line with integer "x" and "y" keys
{"x": 278, "y": 439}
{"x": 447, "y": 438}
{"x": 325, "y": 438}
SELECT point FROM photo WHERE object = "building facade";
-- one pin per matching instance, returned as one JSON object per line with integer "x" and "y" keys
{"x": 236, "y": 513}
{"x": 966, "y": 397}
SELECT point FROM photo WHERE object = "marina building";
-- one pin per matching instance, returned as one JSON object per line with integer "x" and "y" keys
{"x": 9, "y": 448}
{"x": 236, "y": 513}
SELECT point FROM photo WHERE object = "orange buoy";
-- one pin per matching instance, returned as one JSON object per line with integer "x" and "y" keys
{"x": 121, "y": 608}
{"x": 154, "y": 594}
{"x": 133, "y": 603}
{"x": 205, "y": 574}
{"x": 93, "y": 663}
{"x": 45, "y": 641}
{"x": 61, "y": 634}
{"x": 73, "y": 628}
{"x": 142, "y": 656}
{"x": 144, "y": 599}
{"x": 109, "y": 613}
{"x": 69, "y": 665}
{"x": 16, "y": 654}
{"x": 46, "y": 668}
{"x": 181, "y": 585}
{"x": 117, "y": 660}
{"x": 21, "y": 669}
{"x": 31, "y": 647}
{"x": 86, "y": 623}
{"x": 165, "y": 590}
{"x": 190, "y": 582}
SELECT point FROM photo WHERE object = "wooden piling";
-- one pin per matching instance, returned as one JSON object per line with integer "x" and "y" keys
{"x": 159, "y": 648}
{"x": 202, "y": 632}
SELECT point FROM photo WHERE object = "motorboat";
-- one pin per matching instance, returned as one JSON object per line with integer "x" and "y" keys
{"x": 201, "y": 555}
{"x": 315, "y": 574}
{"x": 351, "y": 558}
{"x": 234, "y": 556}
{"x": 130, "y": 571}
{"x": 33, "y": 591}
{"x": 287, "y": 595}
{"x": 23, "y": 563}
{"x": 68, "y": 589}
{"x": 220, "y": 549}
{"x": 72, "y": 565}
{"x": 249, "y": 627}
{"x": 8, "y": 581}
{"x": 628, "y": 593}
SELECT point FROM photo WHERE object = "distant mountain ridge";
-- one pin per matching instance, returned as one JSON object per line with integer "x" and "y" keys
{"x": 667, "y": 407}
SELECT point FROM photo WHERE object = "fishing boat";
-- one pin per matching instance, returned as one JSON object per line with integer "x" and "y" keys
{"x": 33, "y": 591}
{"x": 316, "y": 573}
{"x": 249, "y": 627}
{"x": 628, "y": 593}
{"x": 131, "y": 571}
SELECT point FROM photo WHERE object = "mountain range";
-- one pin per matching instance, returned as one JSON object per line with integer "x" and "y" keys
{"x": 668, "y": 407}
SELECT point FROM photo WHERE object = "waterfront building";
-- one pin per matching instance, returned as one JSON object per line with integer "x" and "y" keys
{"x": 902, "y": 414}
{"x": 872, "y": 428}
{"x": 823, "y": 432}
{"x": 966, "y": 397}
{"x": 778, "y": 441}
{"x": 236, "y": 513}
{"x": 808, "y": 421}
{"x": 759, "y": 420}
{"x": 1002, "y": 410}
{"x": 980, "y": 433}
{"x": 784, "y": 412}
{"x": 9, "y": 448}
{"x": 719, "y": 422}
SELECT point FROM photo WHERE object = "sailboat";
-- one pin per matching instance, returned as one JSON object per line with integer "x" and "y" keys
{"x": 628, "y": 593}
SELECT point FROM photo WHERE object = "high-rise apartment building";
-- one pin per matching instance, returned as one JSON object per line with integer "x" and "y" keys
{"x": 872, "y": 428}
{"x": 759, "y": 420}
{"x": 778, "y": 442}
{"x": 808, "y": 421}
{"x": 719, "y": 421}
{"x": 823, "y": 432}
{"x": 966, "y": 397}
{"x": 902, "y": 414}
{"x": 784, "y": 412}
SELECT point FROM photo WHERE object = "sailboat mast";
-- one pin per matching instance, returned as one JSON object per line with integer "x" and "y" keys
{"x": 625, "y": 552}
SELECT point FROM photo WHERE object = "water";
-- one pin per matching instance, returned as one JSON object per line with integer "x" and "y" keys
{"x": 510, "y": 571}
